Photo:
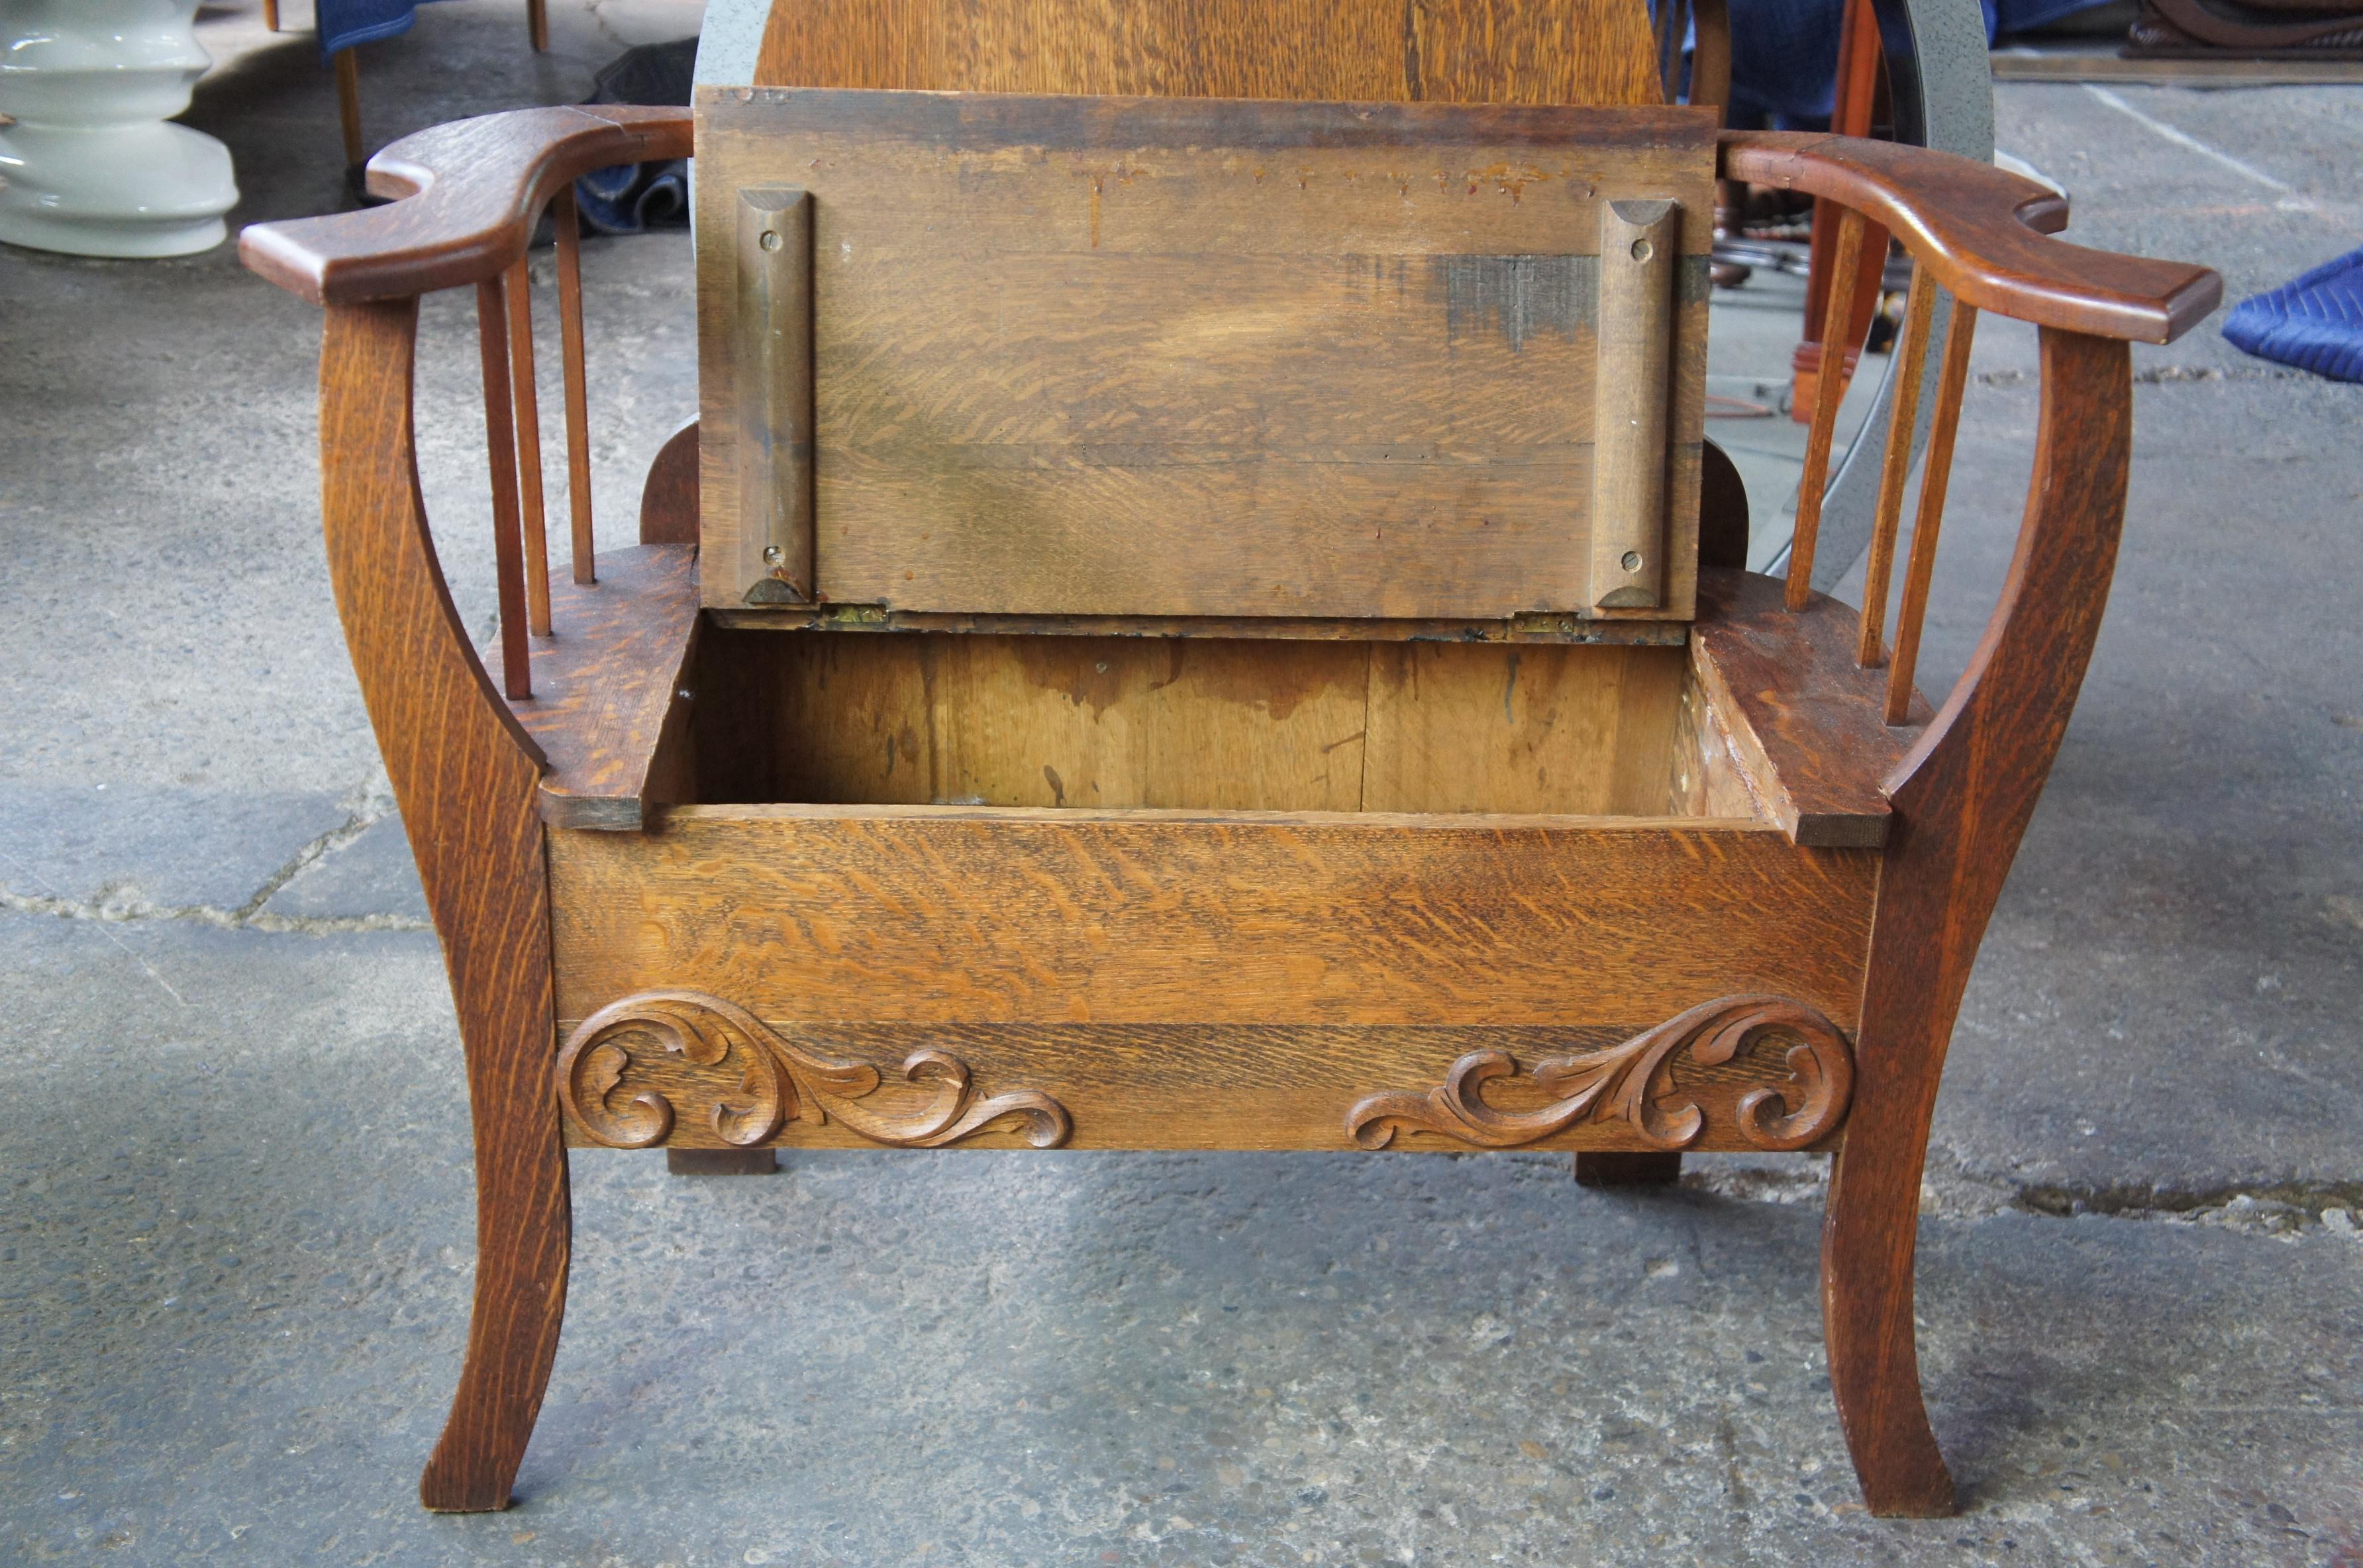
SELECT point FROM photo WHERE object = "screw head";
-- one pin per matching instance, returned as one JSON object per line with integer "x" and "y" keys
{"x": 1632, "y": 561}
{"x": 770, "y": 241}
{"x": 774, "y": 555}
{"x": 1641, "y": 249}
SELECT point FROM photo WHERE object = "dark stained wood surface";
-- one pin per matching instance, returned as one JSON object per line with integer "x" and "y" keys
{"x": 605, "y": 685}
{"x": 1110, "y": 357}
{"x": 463, "y": 198}
{"x": 668, "y": 496}
{"x": 1723, "y": 510}
{"x": 1507, "y": 52}
{"x": 1806, "y": 719}
{"x": 1982, "y": 232}
{"x": 466, "y": 779}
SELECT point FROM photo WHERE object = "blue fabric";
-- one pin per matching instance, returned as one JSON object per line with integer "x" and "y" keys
{"x": 1785, "y": 62}
{"x": 344, "y": 23}
{"x": 631, "y": 198}
{"x": 2314, "y": 322}
{"x": 1784, "y": 54}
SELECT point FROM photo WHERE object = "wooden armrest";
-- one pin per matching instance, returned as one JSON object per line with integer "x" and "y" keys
{"x": 466, "y": 196}
{"x": 1806, "y": 719}
{"x": 1981, "y": 231}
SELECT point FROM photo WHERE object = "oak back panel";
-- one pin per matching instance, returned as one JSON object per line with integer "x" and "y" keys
{"x": 1488, "y": 51}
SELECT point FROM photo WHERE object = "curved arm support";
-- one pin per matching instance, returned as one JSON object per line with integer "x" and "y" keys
{"x": 1981, "y": 233}
{"x": 1962, "y": 800}
{"x": 465, "y": 199}
{"x": 467, "y": 778}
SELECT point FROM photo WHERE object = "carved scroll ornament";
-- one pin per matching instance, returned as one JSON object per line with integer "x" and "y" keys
{"x": 778, "y": 1081}
{"x": 1633, "y": 1082}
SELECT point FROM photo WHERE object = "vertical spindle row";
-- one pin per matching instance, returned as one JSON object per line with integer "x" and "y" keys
{"x": 578, "y": 401}
{"x": 512, "y": 444}
{"x": 1829, "y": 391}
{"x": 1929, "y": 519}
{"x": 528, "y": 442}
{"x": 1895, "y": 467}
{"x": 500, "y": 443}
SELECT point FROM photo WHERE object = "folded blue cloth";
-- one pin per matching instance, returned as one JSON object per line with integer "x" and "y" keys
{"x": 2314, "y": 322}
{"x": 344, "y": 23}
{"x": 630, "y": 198}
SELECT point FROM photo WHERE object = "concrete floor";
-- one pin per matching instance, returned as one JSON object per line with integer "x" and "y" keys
{"x": 236, "y": 1249}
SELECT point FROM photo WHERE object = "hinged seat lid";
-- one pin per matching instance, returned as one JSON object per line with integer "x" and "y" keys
{"x": 1092, "y": 356}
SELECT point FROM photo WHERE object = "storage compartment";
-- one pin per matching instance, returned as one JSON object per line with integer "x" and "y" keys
{"x": 1113, "y": 722}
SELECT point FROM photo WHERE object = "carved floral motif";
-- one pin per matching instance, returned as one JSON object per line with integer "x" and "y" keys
{"x": 1633, "y": 1082}
{"x": 779, "y": 1081}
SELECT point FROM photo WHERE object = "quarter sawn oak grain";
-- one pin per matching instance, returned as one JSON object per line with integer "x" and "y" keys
{"x": 1201, "y": 977}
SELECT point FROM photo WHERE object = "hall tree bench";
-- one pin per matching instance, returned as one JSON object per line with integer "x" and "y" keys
{"x": 1197, "y": 613}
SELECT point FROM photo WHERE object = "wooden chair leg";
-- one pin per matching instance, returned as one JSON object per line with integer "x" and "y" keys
{"x": 536, "y": 22}
{"x": 722, "y": 1162}
{"x": 1869, "y": 1239}
{"x": 270, "y": 15}
{"x": 468, "y": 778}
{"x": 524, "y": 1236}
{"x": 1612, "y": 1168}
{"x": 1959, "y": 813}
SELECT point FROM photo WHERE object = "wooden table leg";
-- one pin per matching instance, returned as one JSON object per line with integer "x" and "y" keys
{"x": 1613, "y": 1167}
{"x": 722, "y": 1162}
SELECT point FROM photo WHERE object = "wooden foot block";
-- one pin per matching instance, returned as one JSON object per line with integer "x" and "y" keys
{"x": 1619, "y": 1168}
{"x": 721, "y": 1162}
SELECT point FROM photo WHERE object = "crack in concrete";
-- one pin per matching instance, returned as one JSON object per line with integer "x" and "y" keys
{"x": 2265, "y": 1203}
{"x": 115, "y": 911}
{"x": 119, "y": 902}
{"x": 2159, "y": 375}
{"x": 2281, "y": 1209}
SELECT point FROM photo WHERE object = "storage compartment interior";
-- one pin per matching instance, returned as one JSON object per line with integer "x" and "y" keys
{"x": 890, "y": 718}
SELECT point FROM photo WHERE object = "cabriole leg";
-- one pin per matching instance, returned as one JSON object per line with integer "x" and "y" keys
{"x": 524, "y": 1232}
{"x": 1961, "y": 803}
{"x": 1870, "y": 1236}
{"x": 468, "y": 778}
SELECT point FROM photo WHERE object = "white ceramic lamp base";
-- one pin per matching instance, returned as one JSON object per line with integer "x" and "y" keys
{"x": 90, "y": 165}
